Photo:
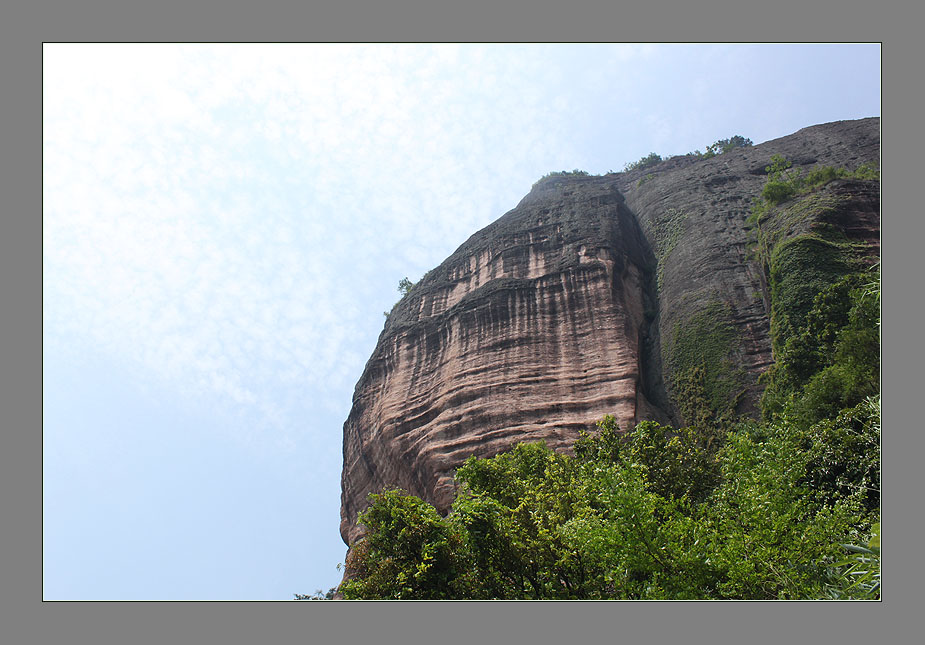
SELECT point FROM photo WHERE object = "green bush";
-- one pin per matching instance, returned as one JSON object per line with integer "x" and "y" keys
{"x": 563, "y": 173}
{"x": 648, "y": 161}
{"x": 775, "y": 192}
{"x": 799, "y": 269}
{"x": 410, "y": 552}
{"x": 722, "y": 146}
{"x": 643, "y": 180}
{"x": 844, "y": 457}
{"x": 783, "y": 184}
{"x": 404, "y": 286}
{"x": 725, "y": 145}
{"x": 822, "y": 175}
{"x": 829, "y": 359}
{"x": 675, "y": 464}
{"x": 770, "y": 538}
{"x": 870, "y": 171}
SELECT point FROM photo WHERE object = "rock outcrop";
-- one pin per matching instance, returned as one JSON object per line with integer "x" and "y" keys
{"x": 582, "y": 301}
{"x": 535, "y": 327}
{"x": 694, "y": 213}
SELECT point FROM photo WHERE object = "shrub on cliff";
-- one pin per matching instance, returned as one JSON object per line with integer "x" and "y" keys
{"x": 725, "y": 145}
{"x": 646, "y": 162}
{"x": 722, "y": 146}
{"x": 781, "y": 183}
{"x": 832, "y": 360}
{"x": 733, "y": 142}
{"x": 404, "y": 286}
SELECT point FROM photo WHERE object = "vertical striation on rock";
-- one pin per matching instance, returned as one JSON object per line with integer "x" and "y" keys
{"x": 578, "y": 303}
{"x": 533, "y": 329}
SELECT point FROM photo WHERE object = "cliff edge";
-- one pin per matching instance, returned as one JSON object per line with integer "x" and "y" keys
{"x": 625, "y": 294}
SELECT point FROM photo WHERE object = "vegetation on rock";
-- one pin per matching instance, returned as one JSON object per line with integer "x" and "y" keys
{"x": 722, "y": 146}
{"x": 404, "y": 288}
{"x": 563, "y": 173}
{"x": 726, "y": 507}
{"x": 658, "y": 513}
{"x": 648, "y": 161}
{"x": 783, "y": 183}
{"x": 785, "y": 508}
{"x": 824, "y": 324}
{"x": 716, "y": 148}
{"x": 643, "y": 180}
{"x": 666, "y": 234}
{"x": 705, "y": 381}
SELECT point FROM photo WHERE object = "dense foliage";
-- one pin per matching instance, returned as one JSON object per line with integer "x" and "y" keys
{"x": 704, "y": 377}
{"x": 788, "y": 507}
{"x": 657, "y": 513}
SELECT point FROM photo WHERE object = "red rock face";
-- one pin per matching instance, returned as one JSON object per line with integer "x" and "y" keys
{"x": 530, "y": 331}
{"x": 558, "y": 313}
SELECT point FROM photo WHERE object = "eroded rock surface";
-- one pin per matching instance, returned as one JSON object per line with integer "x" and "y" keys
{"x": 694, "y": 213}
{"x": 533, "y": 329}
{"x": 573, "y": 305}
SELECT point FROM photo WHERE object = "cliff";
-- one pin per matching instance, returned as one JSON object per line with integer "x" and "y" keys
{"x": 630, "y": 294}
{"x": 714, "y": 291}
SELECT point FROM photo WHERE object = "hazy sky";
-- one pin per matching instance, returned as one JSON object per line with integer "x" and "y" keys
{"x": 224, "y": 225}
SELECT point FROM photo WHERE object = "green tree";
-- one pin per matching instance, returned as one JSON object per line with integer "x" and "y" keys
{"x": 762, "y": 517}
{"x": 674, "y": 463}
{"x": 725, "y": 145}
{"x": 409, "y": 551}
{"x": 781, "y": 183}
{"x": 522, "y": 499}
{"x": 759, "y": 511}
{"x": 769, "y": 536}
{"x": 648, "y": 161}
{"x": 404, "y": 286}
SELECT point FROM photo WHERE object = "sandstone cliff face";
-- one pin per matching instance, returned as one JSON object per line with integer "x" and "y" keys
{"x": 535, "y": 327}
{"x": 578, "y": 303}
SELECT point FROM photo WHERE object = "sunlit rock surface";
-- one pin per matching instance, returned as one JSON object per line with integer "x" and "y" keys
{"x": 564, "y": 310}
{"x": 533, "y": 329}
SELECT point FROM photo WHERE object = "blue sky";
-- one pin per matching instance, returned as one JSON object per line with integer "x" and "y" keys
{"x": 223, "y": 226}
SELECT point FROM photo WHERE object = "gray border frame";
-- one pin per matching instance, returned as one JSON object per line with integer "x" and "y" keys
{"x": 27, "y": 619}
